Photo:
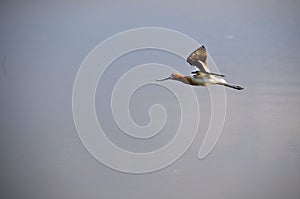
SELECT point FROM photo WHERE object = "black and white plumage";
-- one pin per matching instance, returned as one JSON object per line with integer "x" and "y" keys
{"x": 203, "y": 76}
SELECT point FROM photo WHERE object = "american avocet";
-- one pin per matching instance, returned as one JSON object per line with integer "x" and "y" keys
{"x": 203, "y": 76}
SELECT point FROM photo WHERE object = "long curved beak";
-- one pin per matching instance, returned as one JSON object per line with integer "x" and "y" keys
{"x": 164, "y": 79}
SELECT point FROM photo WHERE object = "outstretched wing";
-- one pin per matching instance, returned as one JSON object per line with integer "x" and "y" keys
{"x": 198, "y": 59}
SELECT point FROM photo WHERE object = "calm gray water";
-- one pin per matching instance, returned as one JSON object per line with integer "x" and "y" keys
{"x": 255, "y": 43}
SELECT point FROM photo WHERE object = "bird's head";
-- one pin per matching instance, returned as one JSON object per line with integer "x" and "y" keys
{"x": 172, "y": 76}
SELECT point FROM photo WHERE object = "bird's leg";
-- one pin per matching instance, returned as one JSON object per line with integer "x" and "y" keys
{"x": 233, "y": 86}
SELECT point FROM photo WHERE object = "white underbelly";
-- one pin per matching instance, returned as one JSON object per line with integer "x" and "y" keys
{"x": 200, "y": 81}
{"x": 207, "y": 81}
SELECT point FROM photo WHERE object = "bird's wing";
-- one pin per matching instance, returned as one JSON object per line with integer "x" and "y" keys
{"x": 198, "y": 59}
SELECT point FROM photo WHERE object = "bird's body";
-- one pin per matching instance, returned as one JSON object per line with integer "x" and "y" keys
{"x": 197, "y": 80}
{"x": 203, "y": 76}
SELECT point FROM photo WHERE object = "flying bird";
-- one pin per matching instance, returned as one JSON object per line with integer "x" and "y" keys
{"x": 202, "y": 76}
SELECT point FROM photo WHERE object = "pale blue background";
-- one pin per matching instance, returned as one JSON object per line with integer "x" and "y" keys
{"x": 255, "y": 43}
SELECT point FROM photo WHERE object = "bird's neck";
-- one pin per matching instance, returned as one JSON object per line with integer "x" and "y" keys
{"x": 184, "y": 79}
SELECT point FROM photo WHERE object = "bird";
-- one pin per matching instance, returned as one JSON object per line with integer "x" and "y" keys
{"x": 202, "y": 76}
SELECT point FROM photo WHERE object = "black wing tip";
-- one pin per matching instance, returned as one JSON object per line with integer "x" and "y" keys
{"x": 189, "y": 61}
{"x": 192, "y": 62}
